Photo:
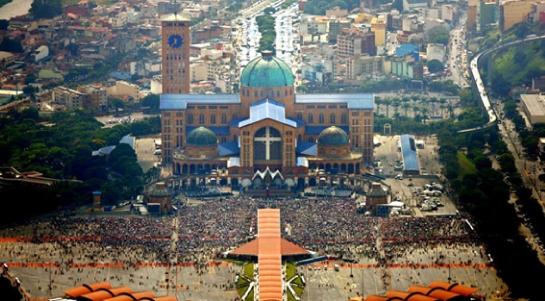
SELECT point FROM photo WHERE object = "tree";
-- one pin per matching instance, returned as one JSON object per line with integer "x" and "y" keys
{"x": 520, "y": 58}
{"x": 45, "y": 9}
{"x": 435, "y": 66}
{"x": 151, "y": 101}
{"x": 438, "y": 34}
{"x": 521, "y": 30}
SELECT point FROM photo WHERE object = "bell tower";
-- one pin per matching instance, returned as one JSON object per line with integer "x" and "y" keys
{"x": 176, "y": 41}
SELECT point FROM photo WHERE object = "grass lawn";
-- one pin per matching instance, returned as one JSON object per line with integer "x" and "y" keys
{"x": 297, "y": 281}
{"x": 243, "y": 284}
{"x": 249, "y": 270}
{"x": 466, "y": 166}
{"x": 290, "y": 296}
{"x": 291, "y": 270}
{"x": 250, "y": 296}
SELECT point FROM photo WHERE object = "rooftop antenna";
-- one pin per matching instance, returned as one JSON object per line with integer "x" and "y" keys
{"x": 175, "y": 8}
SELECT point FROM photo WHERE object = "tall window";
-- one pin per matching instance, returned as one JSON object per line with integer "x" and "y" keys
{"x": 321, "y": 118}
{"x": 190, "y": 118}
{"x": 223, "y": 118}
{"x": 299, "y": 115}
{"x": 201, "y": 119}
{"x": 332, "y": 118}
{"x": 267, "y": 144}
{"x": 310, "y": 118}
{"x": 344, "y": 118}
{"x": 212, "y": 119}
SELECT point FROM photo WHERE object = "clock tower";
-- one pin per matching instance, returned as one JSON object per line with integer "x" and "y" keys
{"x": 176, "y": 40}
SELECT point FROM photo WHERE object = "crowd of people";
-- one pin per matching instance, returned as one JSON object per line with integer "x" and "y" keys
{"x": 203, "y": 230}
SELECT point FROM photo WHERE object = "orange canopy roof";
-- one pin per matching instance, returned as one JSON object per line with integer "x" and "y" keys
{"x": 437, "y": 292}
{"x": 102, "y": 294}
{"x": 287, "y": 248}
{"x": 132, "y": 297}
{"x": 410, "y": 296}
{"x": 463, "y": 290}
{"x": 85, "y": 289}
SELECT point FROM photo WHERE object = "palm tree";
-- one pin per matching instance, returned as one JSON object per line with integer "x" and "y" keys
{"x": 379, "y": 102}
{"x": 443, "y": 102}
{"x": 387, "y": 103}
{"x": 405, "y": 107}
{"x": 396, "y": 105}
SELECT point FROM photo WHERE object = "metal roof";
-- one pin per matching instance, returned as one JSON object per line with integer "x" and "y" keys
{"x": 363, "y": 101}
{"x": 306, "y": 148}
{"x": 317, "y": 129}
{"x": 180, "y": 101}
{"x": 228, "y": 149}
{"x": 267, "y": 109}
{"x": 408, "y": 152}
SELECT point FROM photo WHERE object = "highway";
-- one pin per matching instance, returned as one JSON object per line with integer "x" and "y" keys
{"x": 474, "y": 68}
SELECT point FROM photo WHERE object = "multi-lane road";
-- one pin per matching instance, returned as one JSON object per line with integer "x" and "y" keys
{"x": 247, "y": 36}
{"x": 483, "y": 95}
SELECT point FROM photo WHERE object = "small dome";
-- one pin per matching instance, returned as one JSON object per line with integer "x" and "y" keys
{"x": 202, "y": 136}
{"x": 266, "y": 71}
{"x": 333, "y": 136}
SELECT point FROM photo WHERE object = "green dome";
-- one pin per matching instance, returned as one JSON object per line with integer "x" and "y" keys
{"x": 202, "y": 136}
{"x": 265, "y": 72}
{"x": 333, "y": 136}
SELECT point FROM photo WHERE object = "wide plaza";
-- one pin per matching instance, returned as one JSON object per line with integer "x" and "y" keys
{"x": 182, "y": 254}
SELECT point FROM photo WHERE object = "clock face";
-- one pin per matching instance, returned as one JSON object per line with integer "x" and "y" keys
{"x": 175, "y": 41}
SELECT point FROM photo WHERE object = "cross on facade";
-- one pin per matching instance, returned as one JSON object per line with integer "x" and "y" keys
{"x": 268, "y": 139}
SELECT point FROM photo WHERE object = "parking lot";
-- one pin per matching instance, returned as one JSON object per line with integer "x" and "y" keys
{"x": 422, "y": 199}
{"x": 388, "y": 153}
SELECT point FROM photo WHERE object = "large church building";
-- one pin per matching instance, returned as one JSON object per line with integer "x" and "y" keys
{"x": 265, "y": 127}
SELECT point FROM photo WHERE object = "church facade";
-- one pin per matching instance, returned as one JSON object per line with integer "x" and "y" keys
{"x": 266, "y": 126}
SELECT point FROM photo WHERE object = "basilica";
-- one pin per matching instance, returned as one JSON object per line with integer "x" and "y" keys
{"x": 266, "y": 129}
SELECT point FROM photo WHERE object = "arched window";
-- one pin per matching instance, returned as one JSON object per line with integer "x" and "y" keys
{"x": 332, "y": 118}
{"x": 212, "y": 119}
{"x": 310, "y": 118}
{"x": 344, "y": 118}
{"x": 201, "y": 119}
{"x": 321, "y": 118}
{"x": 223, "y": 118}
{"x": 299, "y": 116}
{"x": 190, "y": 118}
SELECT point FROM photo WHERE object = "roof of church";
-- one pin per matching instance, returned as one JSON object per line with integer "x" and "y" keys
{"x": 202, "y": 136}
{"x": 362, "y": 101}
{"x": 267, "y": 109}
{"x": 180, "y": 101}
{"x": 333, "y": 136}
{"x": 306, "y": 148}
{"x": 228, "y": 149}
{"x": 267, "y": 71}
